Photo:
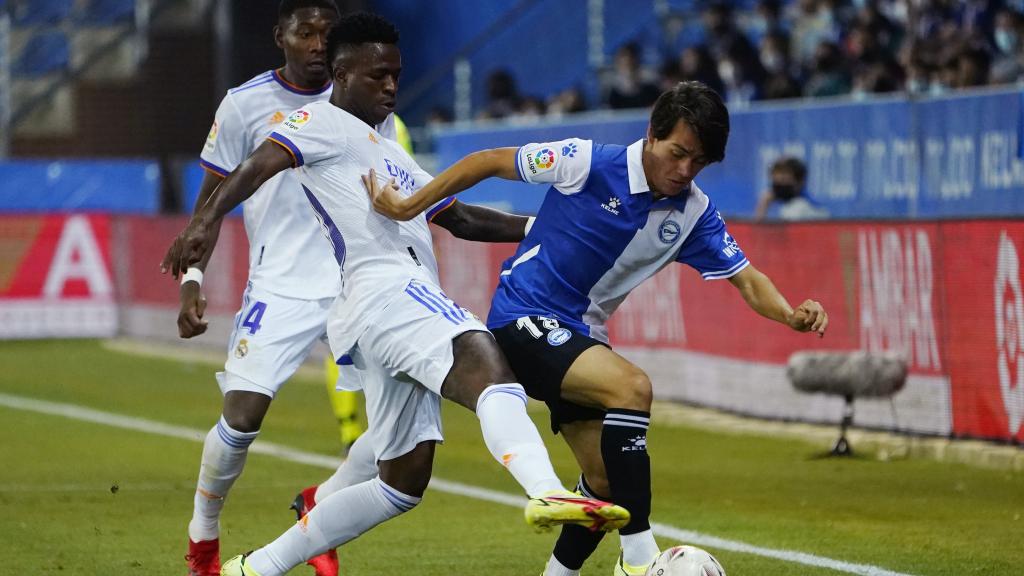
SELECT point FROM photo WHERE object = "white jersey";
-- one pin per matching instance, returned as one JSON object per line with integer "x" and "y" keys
{"x": 378, "y": 256}
{"x": 287, "y": 252}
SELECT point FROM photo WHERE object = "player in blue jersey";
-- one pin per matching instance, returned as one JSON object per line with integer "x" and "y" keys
{"x": 613, "y": 216}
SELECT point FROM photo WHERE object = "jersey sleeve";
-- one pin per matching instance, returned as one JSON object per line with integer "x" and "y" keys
{"x": 310, "y": 136}
{"x": 564, "y": 164}
{"x": 711, "y": 250}
{"x": 227, "y": 144}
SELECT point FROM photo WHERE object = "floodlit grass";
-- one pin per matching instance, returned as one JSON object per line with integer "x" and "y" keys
{"x": 85, "y": 499}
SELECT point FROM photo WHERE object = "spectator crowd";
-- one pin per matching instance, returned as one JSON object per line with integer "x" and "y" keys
{"x": 799, "y": 49}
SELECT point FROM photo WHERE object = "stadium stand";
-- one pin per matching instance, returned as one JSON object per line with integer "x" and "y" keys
{"x": 46, "y": 52}
{"x": 106, "y": 12}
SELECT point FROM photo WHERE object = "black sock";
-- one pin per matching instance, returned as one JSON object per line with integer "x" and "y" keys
{"x": 575, "y": 543}
{"x": 624, "y": 449}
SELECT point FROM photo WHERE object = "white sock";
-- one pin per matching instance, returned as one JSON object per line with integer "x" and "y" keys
{"x": 555, "y": 568}
{"x": 341, "y": 517}
{"x": 638, "y": 549}
{"x": 224, "y": 452}
{"x": 359, "y": 466}
{"x": 513, "y": 439}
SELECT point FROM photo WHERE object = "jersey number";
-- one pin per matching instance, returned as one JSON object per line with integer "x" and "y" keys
{"x": 254, "y": 316}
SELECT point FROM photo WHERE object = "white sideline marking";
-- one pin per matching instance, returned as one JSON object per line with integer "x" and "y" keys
{"x": 331, "y": 463}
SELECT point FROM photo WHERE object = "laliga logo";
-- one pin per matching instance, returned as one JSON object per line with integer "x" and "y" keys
{"x": 1009, "y": 334}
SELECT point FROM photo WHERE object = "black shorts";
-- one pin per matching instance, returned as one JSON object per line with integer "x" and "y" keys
{"x": 541, "y": 352}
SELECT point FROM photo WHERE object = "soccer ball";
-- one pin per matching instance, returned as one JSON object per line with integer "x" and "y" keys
{"x": 685, "y": 561}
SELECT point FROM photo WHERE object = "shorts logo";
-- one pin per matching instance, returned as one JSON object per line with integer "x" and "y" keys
{"x": 669, "y": 232}
{"x": 559, "y": 336}
{"x": 297, "y": 120}
{"x": 211, "y": 138}
{"x": 242, "y": 349}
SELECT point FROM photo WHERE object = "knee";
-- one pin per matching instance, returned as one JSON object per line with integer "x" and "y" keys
{"x": 244, "y": 422}
{"x": 635, "y": 392}
{"x": 410, "y": 481}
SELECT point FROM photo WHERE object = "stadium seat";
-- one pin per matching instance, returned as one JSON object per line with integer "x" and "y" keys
{"x": 38, "y": 12}
{"x": 106, "y": 12}
{"x": 44, "y": 53}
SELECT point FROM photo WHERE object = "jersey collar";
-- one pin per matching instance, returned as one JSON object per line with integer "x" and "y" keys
{"x": 635, "y": 168}
{"x": 297, "y": 90}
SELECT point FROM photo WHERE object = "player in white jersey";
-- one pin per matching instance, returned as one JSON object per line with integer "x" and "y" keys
{"x": 392, "y": 323}
{"x": 612, "y": 217}
{"x": 292, "y": 277}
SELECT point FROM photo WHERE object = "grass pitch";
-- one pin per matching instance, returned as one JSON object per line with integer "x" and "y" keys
{"x": 79, "y": 498}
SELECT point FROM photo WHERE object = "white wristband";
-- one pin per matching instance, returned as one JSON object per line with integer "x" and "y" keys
{"x": 529, "y": 224}
{"x": 193, "y": 274}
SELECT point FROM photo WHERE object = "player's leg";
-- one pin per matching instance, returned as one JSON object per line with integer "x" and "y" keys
{"x": 428, "y": 338}
{"x": 272, "y": 336}
{"x": 602, "y": 378}
{"x": 350, "y": 512}
{"x": 405, "y": 422}
{"x": 575, "y": 544}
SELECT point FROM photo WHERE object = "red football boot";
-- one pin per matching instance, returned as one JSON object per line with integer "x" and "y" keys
{"x": 203, "y": 557}
{"x": 325, "y": 564}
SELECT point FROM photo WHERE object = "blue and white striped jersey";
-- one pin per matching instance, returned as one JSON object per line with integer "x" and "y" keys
{"x": 600, "y": 233}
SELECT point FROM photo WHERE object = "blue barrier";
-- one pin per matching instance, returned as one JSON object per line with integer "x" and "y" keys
{"x": 116, "y": 186}
{"x": 191, "y": 178}
{"x": 891, "y": 158}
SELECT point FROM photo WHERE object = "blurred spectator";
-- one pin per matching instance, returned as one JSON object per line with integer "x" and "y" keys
{"x": 439, "y": 116}
{"x": 696, "y": 64}
{"x": 503, "y": 97}
{"x": 568, "y": 101}
{"x": 740, "y": 77}
{"x": 1008, "y": 63}
{"x": 972, "y": 68}
{"x": 830, "y": 76}
{"x": 780, "y": 80}
{"x": 814, "y": 25}
{"x": 726, "y": 42}
{"x": 918, "y": 78}
{"x": 786, "y": 198}
{"x": 627, "y": 87}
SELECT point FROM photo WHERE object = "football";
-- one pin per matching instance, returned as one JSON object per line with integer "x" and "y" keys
{"x": 685, "y": 561}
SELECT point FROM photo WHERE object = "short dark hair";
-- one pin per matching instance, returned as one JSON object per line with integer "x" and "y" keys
{"x": 793, "y": 165}
{"x": 288, "y": 7}
{"x": 699, "y": 106}
{"x": 360, "y": 28}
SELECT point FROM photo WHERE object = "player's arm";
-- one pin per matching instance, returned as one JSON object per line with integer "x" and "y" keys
{"x": 190, "y": 297}
{"x": 763, "y": 297}
{"x": 196, "y": 242}
{"x": 496, "y": 162}
{"x": 481, "y": 224}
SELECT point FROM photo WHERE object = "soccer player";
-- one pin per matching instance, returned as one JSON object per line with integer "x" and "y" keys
{"x": 613, "y": 216}
{"x": 392, "y": 322}
{"x": 292, "y": 277}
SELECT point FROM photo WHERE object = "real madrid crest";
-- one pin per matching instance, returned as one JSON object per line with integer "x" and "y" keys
{"x": 242, "y": 349}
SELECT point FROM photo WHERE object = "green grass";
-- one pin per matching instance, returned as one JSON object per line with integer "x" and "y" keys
{"x": 60, "y": 515}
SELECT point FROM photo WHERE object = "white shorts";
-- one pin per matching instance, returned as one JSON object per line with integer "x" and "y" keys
{"x": 403, "y": 358}
{"x": 272, "y": 337}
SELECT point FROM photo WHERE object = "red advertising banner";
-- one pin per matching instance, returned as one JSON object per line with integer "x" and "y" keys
{"x": 55, "y": 277}
{"x": 949, "y": 296}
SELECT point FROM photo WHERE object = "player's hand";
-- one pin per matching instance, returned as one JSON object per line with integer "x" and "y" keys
{"x": 193, "y": 306}
{"x": 809, "y": 317}
{"x": 386, "y": 199}
{"x": 188, "y": 248}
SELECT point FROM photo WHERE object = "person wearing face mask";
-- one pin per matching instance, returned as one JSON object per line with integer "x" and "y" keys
{"x": 1008, "y": 61}
{"x": 786, "y": 198}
